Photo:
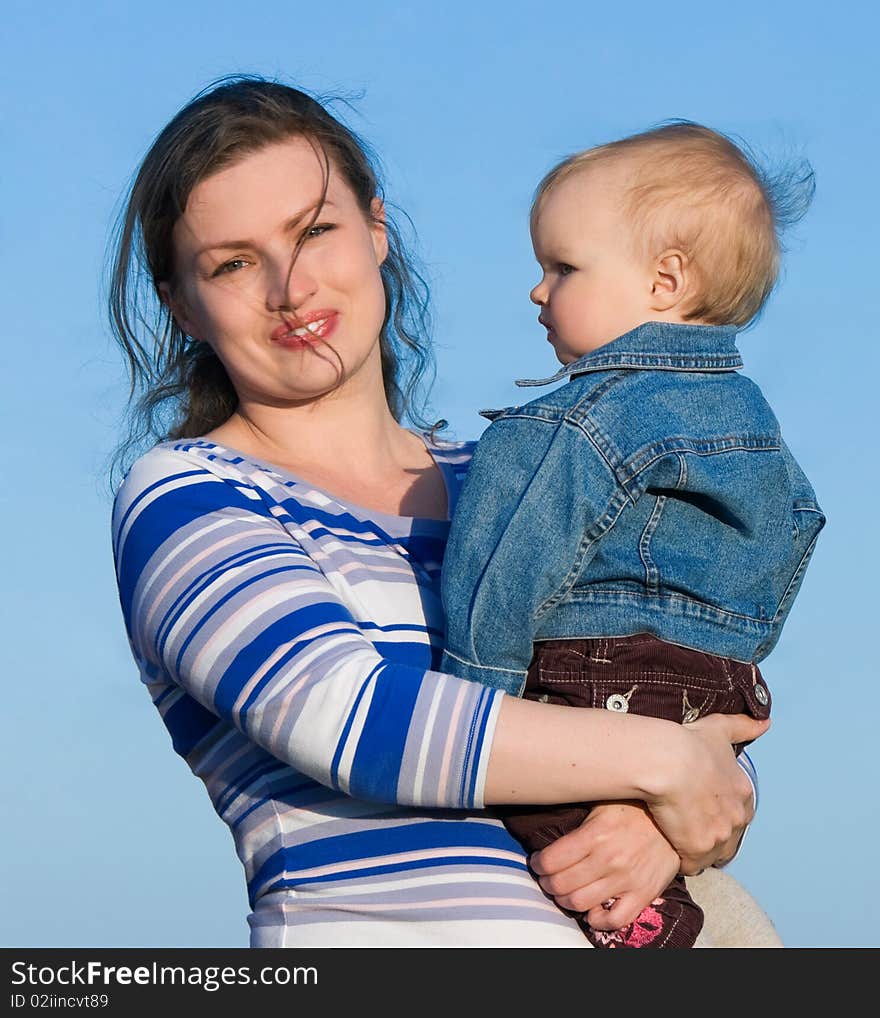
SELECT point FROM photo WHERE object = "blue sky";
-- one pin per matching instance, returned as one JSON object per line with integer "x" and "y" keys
{"x": 109, "y": 841}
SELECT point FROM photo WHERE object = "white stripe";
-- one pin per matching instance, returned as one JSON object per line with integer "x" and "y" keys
{"x": 430, "y": 721}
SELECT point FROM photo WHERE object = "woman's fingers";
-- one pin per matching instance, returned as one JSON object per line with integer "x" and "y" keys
{"x": 617, "y": 852}
{"x": 564, "y": 886}
{"x": 724, "y": 854}
{"x": 571, "y": 850}
{"x": 739, "y": 727}
{"x": 620, "y": 912}
{"x": 560, "y": 883}
{"x": 709, "y": 801}
{"x": 583, "y": 899}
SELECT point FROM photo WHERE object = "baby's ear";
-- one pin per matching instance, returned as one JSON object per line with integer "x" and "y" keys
{"x": 671, "y": 279}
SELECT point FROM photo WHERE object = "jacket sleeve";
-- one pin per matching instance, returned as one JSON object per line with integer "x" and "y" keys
{"x": 226, "y": 609}
{"x": 537, "y": 498}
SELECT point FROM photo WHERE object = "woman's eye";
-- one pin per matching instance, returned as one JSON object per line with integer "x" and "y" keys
{"x": 233, "y": 265}
{"x": 319, "y": 229}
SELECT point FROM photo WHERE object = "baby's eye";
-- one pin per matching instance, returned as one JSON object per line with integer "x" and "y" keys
{"x": 565, "y": 268}
{"x": 233, "y": 265}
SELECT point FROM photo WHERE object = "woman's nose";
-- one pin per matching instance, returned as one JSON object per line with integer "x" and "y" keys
{"x": 289, "y": 285}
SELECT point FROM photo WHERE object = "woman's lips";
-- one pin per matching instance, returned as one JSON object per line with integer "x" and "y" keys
{"x": 307, "y": 329}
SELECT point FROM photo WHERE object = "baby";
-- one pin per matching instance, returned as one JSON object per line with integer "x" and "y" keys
{"x": 634, "y": 539}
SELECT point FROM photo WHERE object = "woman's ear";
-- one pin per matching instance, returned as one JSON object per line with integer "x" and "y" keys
{"x": 671, "y": 280}
{"x": 378, "y": 230}
{"x": 178, "y": 310}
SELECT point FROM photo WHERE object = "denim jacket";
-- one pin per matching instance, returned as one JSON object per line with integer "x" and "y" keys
{"x": 651, "y": 493}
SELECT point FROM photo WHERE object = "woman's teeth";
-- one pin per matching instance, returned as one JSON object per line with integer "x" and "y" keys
{"x": 309, "y": 329}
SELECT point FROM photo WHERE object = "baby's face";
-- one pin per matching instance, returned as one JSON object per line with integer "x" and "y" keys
{"x": 595, "y": 285}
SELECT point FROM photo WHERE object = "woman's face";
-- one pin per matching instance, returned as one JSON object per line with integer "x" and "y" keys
{"x": 287, "y": 329}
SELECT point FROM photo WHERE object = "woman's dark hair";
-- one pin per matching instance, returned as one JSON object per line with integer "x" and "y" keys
{"x": 179, "y": 388}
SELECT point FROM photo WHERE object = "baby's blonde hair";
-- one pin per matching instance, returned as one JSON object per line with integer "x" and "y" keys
{"x": 692, "y": 188}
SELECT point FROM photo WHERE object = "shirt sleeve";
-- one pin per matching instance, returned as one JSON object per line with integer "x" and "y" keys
{"x": 536, "y": 500}
{"x": 221, "y": 601}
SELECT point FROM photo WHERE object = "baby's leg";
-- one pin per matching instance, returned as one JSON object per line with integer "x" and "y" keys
{"x": 646, "y": 676}
{"x": 673, "y": 919}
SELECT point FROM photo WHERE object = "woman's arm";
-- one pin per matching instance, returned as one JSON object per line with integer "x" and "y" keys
{"x": 225, "y": 608}
{"x": 686, "y": 774}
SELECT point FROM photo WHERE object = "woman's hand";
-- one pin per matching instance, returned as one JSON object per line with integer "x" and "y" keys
{"x": 687, "y": 775}
{"x": 703, "y": 800}
{"x": 618, "y": 852}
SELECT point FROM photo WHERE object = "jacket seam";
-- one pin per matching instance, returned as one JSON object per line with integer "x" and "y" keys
{"x": 652, "y": 573}
{"x": 600, "y": 527}
{"x": 484, "y": 668}
{"x": 703, "y": 606}
{"x": 796, "y": 578}
{"x": 650, "y": 675}
{"x": 590, "y": 538}
{"x": 633, "y": 467}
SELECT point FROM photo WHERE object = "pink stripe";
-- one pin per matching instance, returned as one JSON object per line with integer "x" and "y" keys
{"x": 452, "y": 728}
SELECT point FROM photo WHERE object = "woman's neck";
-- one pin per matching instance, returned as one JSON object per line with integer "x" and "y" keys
{"x": 366, "y": 459}
{"x": 351, "y": 435}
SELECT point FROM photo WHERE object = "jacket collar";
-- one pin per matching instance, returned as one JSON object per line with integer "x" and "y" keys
{"x": 658, "y": 346}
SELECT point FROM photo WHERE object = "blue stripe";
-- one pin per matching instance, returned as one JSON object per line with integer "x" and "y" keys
{"x": 401, "y": 867}
{"x": 265, "y": 765}
{"x": 251, "y": 657}
{"x": 302, "y": 793}
{"x": 396, "y": 628}
{"x": 368, "y": 844}
{"x": 204, "y": 580}
{"x": 148, "y": 491}
{"x": 745, "y": 761}
{"x": 413, "y": 655}
{"x": 349, "y": 721}
{"x": 310, "y": 610}
{"x": 163, "y": 696}
{"x": 375, "y": 770}
{"x": 188, "y": 722}
{"x": 367, "y": 532}
{"x": 476, "y": 750}
{"x": 162, "y": 520}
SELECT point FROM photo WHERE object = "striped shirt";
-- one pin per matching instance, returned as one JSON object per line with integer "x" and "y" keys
{"x": 289, "y": 641}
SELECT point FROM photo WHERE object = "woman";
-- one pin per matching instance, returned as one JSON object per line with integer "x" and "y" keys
{"x": 278, "y": 562}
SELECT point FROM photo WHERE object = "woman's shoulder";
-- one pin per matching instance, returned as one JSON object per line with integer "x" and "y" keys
{"x": 177, "y": 482}
{"x": 165, "y": 460}
{"x": 177, "y": 463}
{"x": 456, "y": 453}
{"x": 191, "y": 454}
